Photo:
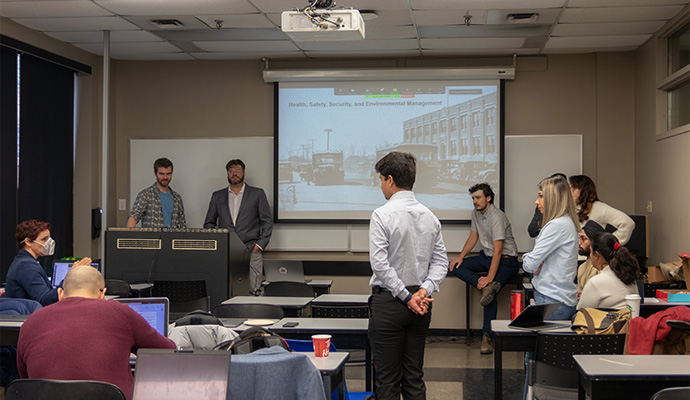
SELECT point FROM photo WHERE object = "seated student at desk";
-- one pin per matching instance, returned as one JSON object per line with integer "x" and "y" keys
{"x": 84, "y": 336}
{"x": 26, "y": 278}
{"x": 616, "y": 279}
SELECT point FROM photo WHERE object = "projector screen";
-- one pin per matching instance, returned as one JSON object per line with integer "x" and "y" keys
{"x": 331, "y": 134}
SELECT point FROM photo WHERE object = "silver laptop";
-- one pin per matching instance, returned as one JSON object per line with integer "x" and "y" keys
{"x": 61, "y": 268}
{"x": 155, "y": 310}
{"x": 186, "y": 374}
{"x": 284, "y": 270}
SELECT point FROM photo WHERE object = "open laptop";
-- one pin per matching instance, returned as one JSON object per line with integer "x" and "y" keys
{"x": 155, "y": 310}
{"x": 189, "y": 374}
{"x": 284, "y": 270}
{"x": 533, "y": 318}
{"x": 61, "y": 268}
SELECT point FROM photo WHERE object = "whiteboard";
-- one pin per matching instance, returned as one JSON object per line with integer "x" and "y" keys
{"x": 199, "y": 170}
{"x": 528, "y": 160}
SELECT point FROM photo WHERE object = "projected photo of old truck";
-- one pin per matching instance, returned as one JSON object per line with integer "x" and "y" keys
{"x": 326, "y": 169}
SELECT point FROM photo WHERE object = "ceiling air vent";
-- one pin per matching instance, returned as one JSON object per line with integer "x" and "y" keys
{"x": 167, "y": 23}
{"x": 522, "y": 18}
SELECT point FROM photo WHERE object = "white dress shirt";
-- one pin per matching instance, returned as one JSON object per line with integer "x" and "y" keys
{"x": 234, "y": 202}
{"x": 406, "y": 246}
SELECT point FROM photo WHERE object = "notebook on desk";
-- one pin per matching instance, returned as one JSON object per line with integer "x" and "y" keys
{"x": 284, "y": 270}
{"x": 533, "y": 318}
{"x": 155, "y": 310}
{"x": 61, "y": 268}
{"x": 172, "y": 374}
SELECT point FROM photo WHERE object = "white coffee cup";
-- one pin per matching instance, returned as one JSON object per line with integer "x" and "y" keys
{"x": 633, "y": 303}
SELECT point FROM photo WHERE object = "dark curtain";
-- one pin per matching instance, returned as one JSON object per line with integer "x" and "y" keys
{"x": 8, "y": 158}
{"x": 46, "y": 150}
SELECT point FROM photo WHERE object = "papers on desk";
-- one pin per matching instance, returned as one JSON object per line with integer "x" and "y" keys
{"x": 650, "y": 300}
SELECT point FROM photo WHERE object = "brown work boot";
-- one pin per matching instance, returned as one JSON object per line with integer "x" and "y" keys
{"x": 489, "y": 293}
{"x": 487, "y": 345}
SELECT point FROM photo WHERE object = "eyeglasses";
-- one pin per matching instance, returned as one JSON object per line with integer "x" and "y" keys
{"x": 235, "y": 171}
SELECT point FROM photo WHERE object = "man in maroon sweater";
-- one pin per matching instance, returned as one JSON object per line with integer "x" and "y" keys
{"x": 83, "y": 336}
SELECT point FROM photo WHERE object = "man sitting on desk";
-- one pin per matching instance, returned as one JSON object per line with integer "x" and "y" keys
{"x": 158, "y": 206}
{"x": 83, "y": 336}
{"x": 491, "y": 228}
{"x": 408, "y": 259}
{"x": 245, "y": 210}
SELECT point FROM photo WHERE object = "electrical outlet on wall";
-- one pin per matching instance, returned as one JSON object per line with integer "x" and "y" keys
{"x": 649, "y": 206}
{"x": 123, "y": 205}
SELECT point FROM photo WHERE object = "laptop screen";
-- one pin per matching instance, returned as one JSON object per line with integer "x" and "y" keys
{"x": 61, "y": 268}
{"x": 172, "y": 375}
{"x": 155, "y": 310}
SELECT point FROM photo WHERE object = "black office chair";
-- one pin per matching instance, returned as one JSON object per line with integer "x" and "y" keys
{"x": 339, "y": 311}
{"x": 269, "y": 311}
{"x": 290, "y": 289}
{"x": 676, "y": 393}
{"x": 184, "y": 296}
{"x": 553, "y": 374}
{"x": 118, "y": 288}
{"x": 40, "y": 389}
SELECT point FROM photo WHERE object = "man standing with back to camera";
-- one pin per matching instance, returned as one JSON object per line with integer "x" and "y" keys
{"x": 408, "y": 259}
{"x": 245, "y": 210}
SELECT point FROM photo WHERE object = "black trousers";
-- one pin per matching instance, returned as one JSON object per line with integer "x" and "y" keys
{"x": 397, "y": 337}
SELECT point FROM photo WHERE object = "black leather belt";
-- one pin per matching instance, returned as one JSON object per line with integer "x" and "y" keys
{"x": 379, "y": 289}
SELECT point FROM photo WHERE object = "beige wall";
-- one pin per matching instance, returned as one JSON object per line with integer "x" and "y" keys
{"x": 663, "y": 168}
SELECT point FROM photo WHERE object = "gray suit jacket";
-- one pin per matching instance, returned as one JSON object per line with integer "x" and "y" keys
{"x": 254, "y": 221}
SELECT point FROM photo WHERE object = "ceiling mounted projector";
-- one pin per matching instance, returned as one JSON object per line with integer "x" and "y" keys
{"x": 312, "y": 25}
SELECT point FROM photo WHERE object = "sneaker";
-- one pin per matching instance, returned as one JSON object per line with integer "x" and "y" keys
{"x": 487, "y": 346}
{"x": 489, "y": 293}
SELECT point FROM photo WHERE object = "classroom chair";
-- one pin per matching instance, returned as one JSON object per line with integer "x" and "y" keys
{"x": 118, "y": 288}
{"x": 553, "y": 374}
{"x": 38, "y": 389}
{"x": 290, "y": 289}
{"x": 676, "y": 393}
{"x": 184, "y": 296}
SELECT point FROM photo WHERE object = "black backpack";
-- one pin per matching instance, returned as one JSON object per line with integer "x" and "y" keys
{"x": 252, "y": 339}
{"x": 198, "y": 318}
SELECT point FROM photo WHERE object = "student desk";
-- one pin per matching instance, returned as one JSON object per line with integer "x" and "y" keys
{"x": 292, "y": 306}
{"x": 320, "y": 286}
{"x": 332, "y": 369}
{"x": 346, "y": 333}
{"x": 510, "y": 339}
{"x": 608, "y": 376}
{"x": 652, "y": 305}
{"x": 9, "y": 329}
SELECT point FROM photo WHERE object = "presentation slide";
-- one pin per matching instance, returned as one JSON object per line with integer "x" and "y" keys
{"x": 330, "y": 136}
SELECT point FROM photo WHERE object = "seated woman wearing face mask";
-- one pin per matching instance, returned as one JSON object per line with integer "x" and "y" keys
{"x": 26, "y": 278}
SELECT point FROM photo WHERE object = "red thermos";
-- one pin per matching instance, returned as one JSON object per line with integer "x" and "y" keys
{"x": 516, "y": 304}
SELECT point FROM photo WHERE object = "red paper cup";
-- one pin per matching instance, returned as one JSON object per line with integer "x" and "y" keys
{"x": 322, "y": 343}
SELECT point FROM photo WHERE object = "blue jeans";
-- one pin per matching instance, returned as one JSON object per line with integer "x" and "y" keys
{"x": 562, "y": 313}
{"x": 467, "y": 271}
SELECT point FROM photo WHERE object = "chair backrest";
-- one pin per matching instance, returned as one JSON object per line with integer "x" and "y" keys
{"x": 291, "y": 289}
{"x": 270, "y": 311}
{"x": 557, "y": 349}
{"x": 32, "y": 389}
{"x": 180, "y": 291}
{"x": 179, "y": 309}
{"x": 638, "y": 244}
{"x": 118, "y": 288}
{"x": 339, "y": 311}
{"x": 676, "y": 393}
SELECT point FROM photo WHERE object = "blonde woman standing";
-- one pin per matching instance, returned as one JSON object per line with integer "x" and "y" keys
{"x": 553, "y": 261}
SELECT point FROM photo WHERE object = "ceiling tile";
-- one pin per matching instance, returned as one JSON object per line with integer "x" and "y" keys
{"x": 475, "y": 52}
{"x": 97, "y": 36}
{"x": 447, "y": 17}
{"x": 120, "y": 49}
{"x": 613, "y": 28}
{"x": 175, "y": 7}
{"x": 77, "y": 24}
{"x": 237, "y": 21}
{"x": 154, "y": 57}
{"x": 390, "y": 18}
{"x": 224, "y": 34}
{"x": 249, "y": 45}
{"x": 588, "y": 50}
{"x": 618, "y": 14}
{"x": 39, "y": 9}
{"x": 474, "y": 43}
{"x": 375, "y": 5}
{"x": 274, "y": 6}
{"x": 596, "y": 42}
{"x": 379, "y": 45}
{"x": 363, "y": 54}
{"x": 249, "y": 55}
{"x": 462, "y": 31}
{"x": 483, "y": 4}
{"x": 390, "y": 32}
{"x": 626, "y": 3}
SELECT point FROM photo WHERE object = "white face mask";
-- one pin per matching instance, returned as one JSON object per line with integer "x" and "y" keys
{"x": 48, "y": 247}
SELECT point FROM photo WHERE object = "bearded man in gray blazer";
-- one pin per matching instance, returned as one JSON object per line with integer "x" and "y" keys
{"x": 245, "y": 210}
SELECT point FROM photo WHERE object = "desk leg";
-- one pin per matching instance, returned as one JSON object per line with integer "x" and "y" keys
{"x": 367, "y": 366}
{"x": 327, "y": 386}
{"x": 581, "y": 389}
{"x": 498, "y": 368}
{"x": 468, "y": 331}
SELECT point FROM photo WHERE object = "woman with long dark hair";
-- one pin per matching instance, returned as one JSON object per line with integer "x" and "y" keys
{"x": 590, "y": 208}
{"x": 618, "y": 272}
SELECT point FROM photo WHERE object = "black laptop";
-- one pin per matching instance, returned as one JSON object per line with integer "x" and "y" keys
{"x": 533, "y": 318}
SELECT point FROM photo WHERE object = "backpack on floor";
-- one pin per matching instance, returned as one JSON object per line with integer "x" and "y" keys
{"x": 253, "y": 339}
{"x": 591, "y": 321}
